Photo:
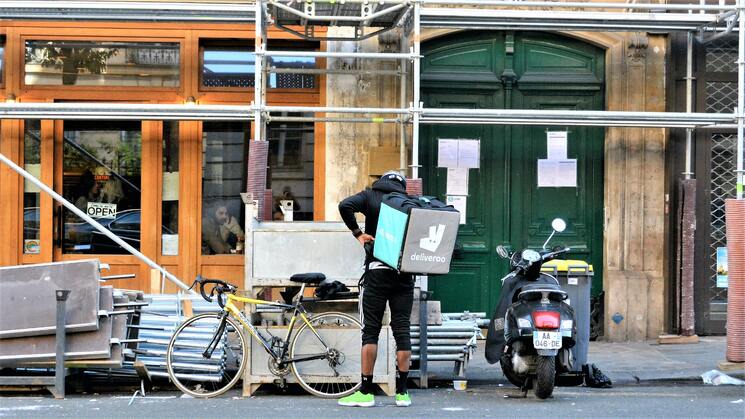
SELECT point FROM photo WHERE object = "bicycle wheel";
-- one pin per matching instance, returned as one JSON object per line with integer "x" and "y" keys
{"x": 337, "y": 374}
{"x": 203, "y": 377}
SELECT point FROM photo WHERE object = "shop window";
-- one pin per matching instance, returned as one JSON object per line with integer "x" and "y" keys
{"x": 170, "y": 189}
{"x": 291, "y": 168}
{"x": 31, "y": 193}
{"x": 101, "y": 176}
{"x": 88, "y": 63}
{"x": 230, "y": 65}
{"x": 224, "y": 171}
{"x": 2, "y": 60}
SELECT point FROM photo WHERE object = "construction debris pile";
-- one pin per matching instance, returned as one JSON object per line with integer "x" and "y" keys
{"x": 98, "y": 319}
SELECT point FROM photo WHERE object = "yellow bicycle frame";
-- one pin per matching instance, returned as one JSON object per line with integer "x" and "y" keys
{"x": 236, "y": 313}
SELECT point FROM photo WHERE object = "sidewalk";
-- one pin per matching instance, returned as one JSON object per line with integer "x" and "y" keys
{"x": 625, "y": 363}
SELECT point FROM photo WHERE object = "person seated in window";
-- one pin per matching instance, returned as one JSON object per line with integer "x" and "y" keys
{"x": 231, "y": 230}
{"x": 221, "y": 232}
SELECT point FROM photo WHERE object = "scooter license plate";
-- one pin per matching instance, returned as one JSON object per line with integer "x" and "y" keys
{"x": 546, "y": 340}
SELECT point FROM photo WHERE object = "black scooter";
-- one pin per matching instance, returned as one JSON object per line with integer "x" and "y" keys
{"x": 533, "y": 328}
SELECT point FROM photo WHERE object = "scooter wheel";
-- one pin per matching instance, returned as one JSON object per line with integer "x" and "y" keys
{"x": 545, "y": 376}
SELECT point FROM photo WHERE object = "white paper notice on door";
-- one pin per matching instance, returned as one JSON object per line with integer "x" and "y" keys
{"x": 557, "y": 145}
{"x": 468, "y": 154}
{"x": 169, "y": 244}
{"x": 447, "y": 153}
{"x": 557, "y": 173}
{"x": 464, "y": 154}
{"x": 457, "y": 181}
{"x": 459, "y": 203}
{"x": 566, "y": 173}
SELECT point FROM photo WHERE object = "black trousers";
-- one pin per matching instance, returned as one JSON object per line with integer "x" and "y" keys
{"x": 378, "y": 287}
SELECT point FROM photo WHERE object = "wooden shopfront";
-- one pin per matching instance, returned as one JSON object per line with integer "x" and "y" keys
{"x": 169, "y": 188}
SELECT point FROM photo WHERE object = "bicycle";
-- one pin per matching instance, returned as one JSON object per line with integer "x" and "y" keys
{"x": 207, "y": 354}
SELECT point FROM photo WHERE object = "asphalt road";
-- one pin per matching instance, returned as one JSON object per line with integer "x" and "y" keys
{"x": 670, "y": 400}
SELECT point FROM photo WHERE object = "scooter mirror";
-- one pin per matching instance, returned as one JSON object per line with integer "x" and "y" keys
{"x": 502, "y": 252}
{"x": 559, "y": 225}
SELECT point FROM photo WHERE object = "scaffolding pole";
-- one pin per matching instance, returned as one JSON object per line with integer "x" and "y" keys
{"x": 416, "y": 94}
{"x": 740, "y": 99}
{"x": 455, "y": 116}
{"x": 581, "y": 5}
{"x": 75, "y": 210}
{"x": 128, "y": 11}
{"x": 323, "y": 54}
{"x": 259, "y": 45}
{"x": 128, "y": 111}
{"x": 689, "y": 105}
{"x": 579, "y": 118}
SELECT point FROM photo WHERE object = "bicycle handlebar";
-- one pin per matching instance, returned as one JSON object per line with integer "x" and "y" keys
{"x": 220, "y": 287}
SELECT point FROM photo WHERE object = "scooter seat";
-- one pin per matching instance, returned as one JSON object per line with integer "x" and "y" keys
{"x": 541, "y": 286}
{"x": 535, "y": 291}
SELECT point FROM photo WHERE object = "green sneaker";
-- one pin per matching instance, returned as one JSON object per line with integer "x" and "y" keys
{"x": 403, "y": 400}
{"x": 358, "y": 399}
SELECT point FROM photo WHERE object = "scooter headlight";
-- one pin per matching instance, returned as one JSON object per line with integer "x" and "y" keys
{"x": 566, "y": 325}
{"x": 523, "y": 323}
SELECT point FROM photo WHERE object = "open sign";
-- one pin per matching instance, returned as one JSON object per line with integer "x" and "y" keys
{"x": 101, "y": 210}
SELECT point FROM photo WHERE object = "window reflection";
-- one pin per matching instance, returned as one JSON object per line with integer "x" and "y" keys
{"x": 170, "y": 189}
{"x": 85, "y": 63}
{"x": 224, "y": 172}
{"x": 291, "y": 147}
{"x": 2, "y": 59}
{"x": 31, "y": 193}
{"x": 102, "y": 167}
{"x": 232, "y": 66}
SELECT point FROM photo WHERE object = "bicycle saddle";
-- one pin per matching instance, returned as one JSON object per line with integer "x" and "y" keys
{"x": 308, "y": 278}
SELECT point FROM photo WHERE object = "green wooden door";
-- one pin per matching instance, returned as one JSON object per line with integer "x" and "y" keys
{"x": 489, "y": 70}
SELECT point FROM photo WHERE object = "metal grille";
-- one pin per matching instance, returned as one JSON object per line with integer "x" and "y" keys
{"x": 723, "y": 183}
{"x": 276, "y": 81}
{"x": 721, "y": 56}
{"x": 721, "y": 97}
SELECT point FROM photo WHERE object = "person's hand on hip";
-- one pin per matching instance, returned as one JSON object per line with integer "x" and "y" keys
{"x": 365, "y": 238}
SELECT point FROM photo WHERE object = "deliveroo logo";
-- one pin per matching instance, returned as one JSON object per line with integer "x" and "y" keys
{"x": 432, "y": 242}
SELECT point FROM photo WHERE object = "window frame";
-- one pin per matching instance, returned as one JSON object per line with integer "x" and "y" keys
{"x": 284, "y": 44}
{"x": 102, "y": 89}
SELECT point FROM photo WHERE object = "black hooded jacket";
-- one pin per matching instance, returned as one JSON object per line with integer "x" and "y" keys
{"x": 368, "y": 203}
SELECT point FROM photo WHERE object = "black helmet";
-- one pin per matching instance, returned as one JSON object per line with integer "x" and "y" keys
{"x": 394, "y": 176}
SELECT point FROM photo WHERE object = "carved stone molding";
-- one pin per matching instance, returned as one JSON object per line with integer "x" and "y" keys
{"x": 637, "y": 46}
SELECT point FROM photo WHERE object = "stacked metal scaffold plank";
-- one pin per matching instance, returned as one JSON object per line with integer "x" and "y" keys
{"x": 97, "y": 319}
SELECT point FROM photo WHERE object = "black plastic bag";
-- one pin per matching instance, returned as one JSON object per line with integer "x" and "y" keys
{"x": 595, "y": 378}
{"x": 328, "y": 290}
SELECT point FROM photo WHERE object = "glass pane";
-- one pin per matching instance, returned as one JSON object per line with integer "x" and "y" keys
{"x": 169, "y": 228}
{"x": 31, "y": 193}
{"x": 233, "y": 67}
{"x": 224, "y": 171}
{"x": 102, "y": 167}
{"x": 291, "y": 168}
{"x": 290, "y": 80}
{"x": 84, "y": 63}
{"x": 2, "y": 59}
{"x": 228, "y": 67}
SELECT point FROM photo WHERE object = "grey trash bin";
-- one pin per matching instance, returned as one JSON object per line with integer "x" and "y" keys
{"x": 575, "y": 277}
